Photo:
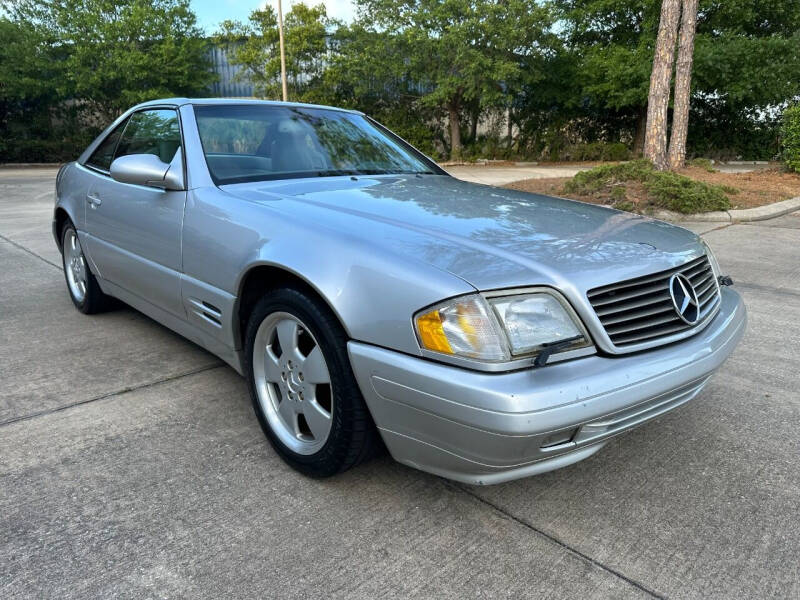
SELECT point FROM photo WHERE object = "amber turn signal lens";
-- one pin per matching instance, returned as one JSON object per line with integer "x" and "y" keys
{"x": 431, "y": 332}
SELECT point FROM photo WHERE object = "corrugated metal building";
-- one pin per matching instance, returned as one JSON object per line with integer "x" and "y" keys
{"x": 228, "y": 86}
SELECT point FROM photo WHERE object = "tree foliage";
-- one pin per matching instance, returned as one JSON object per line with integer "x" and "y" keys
{"x": 466, "y": 55}
{"x": 254, "y": 45}
{"x": 549, "y": 79}
{"x": 747, "y": 55}
{"x": 78, "y": 64}
{"x": 791, "y": 137}
{"x": 111, "y": 54}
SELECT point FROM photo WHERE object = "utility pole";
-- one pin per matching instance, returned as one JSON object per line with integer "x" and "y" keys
{"x": 283, "y": 52}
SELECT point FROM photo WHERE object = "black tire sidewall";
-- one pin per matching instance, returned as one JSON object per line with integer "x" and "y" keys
{"x": 346, "y": 395}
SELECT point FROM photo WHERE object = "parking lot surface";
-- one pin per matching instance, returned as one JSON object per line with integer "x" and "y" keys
{"x": 132, "y": 465}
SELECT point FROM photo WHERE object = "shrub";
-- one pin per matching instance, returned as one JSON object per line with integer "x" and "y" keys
{"x": 625, "y": 205}
{"x": 618, "y": 194}
{"x": 791, "y": 137}
{"x": 593, "y": 180}
{"x": 666, "y": 190}
{"x": 684, "y": 195}
{"x": 702, "y": 163}
{"x": 616, "y": 151}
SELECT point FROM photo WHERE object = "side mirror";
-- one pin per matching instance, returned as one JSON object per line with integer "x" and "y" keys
{"x": 148, "y": 169}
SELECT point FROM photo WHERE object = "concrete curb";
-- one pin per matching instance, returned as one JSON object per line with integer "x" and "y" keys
{"x": 760, "y": 213}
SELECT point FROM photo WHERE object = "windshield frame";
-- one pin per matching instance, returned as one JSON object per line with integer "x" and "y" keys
{"x": 434, "y": 169}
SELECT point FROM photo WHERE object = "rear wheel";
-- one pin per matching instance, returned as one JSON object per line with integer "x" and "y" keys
{"x": 303, "y": 389}
{"x": 81, "y": 283}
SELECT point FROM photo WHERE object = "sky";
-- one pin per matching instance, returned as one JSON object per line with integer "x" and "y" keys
{"x": 211, "y": 12}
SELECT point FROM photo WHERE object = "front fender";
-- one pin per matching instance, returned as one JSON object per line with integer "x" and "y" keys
{"x": 374, "y": 292}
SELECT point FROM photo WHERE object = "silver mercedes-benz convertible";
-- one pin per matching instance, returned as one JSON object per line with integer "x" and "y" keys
{"x": 369, "y": 298}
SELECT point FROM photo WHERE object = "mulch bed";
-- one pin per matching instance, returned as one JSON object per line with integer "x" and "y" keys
{"x": 756, "y": 188}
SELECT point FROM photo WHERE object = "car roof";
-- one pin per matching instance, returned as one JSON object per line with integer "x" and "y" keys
{"x": 233, "y": 101}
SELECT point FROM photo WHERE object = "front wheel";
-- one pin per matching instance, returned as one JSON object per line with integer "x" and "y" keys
{"x": 302, "y": 386}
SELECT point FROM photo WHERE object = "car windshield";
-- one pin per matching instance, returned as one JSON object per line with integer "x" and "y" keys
{"x": 256, "y": 143}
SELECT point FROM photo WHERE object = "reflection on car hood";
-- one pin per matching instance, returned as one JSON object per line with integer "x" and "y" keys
{"x": 490, "y": 237}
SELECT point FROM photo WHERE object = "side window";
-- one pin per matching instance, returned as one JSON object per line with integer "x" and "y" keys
{"x": 102, "y": 156}
{"x": 151, "y": 132}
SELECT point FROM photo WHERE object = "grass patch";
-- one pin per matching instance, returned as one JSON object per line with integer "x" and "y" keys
{"x": 662, "y": 189}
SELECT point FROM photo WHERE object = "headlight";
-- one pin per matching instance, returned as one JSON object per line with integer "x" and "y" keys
{"x": 713, "y": 260}
{"x": 462, "y": 327}
{"x": 499, "y": 328}
{"x": 533, "y": 321}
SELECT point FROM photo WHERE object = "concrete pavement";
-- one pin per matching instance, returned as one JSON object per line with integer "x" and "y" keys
{"x": 131, "y": 465}
{"x": 491, "y": 175}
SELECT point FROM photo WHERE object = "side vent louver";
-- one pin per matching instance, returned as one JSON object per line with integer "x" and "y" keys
{"x": 206, "y": 311}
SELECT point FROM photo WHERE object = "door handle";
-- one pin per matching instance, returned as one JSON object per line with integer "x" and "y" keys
{"x": 94, "y": 201}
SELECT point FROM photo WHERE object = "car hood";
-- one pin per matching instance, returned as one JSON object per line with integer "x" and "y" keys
{"x": 491, "y": 237}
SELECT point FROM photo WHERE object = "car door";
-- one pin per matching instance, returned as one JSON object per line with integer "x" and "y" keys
{"x": 134, "y": 231}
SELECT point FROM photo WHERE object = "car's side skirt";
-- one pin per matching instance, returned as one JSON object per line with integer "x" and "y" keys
{"x": 180, "y": 326}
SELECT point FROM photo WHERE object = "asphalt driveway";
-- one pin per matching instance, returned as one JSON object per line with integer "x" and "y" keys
{"x": 131, "y": 465}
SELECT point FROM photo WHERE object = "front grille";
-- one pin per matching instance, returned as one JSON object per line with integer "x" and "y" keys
{"x": 640, "y": 310}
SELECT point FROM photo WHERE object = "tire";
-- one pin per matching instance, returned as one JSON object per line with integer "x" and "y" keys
{"x": 82, "y": 285}
{"x": 287, "y": 384}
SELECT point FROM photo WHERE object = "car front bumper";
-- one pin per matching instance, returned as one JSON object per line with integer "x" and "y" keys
{"x": 483, "y": 428}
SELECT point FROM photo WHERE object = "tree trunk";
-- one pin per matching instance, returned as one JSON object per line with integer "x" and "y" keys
{"x": 510, "y": 125}
{"x": 475, "y": 116}
{"x": 455, "y": 131}
{"x": 683, "y": 86}
{"x": 655, "y": 139}
{"x": 638, "y": 136}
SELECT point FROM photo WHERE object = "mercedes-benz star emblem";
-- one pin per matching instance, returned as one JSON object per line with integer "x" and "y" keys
{"x": 684, "y": 298}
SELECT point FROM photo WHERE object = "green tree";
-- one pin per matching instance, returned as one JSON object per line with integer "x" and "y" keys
{"x": 27, "y": 93}
{"x": 254, "y": 46}
{"x": 68, "y": 67}
{"x": 746, "y": 57}
{"x": 465, "y": 55}
{"x": 109, "y": 54}
{"x": 791, "y": 137}
{"x": 362, "y": 74}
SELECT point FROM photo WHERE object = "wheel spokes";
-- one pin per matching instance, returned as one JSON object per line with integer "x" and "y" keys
{"x": 287, "y": 412}
{"x": 290, "y": 370}
{"x": 314, "y": 368}
{"x": 272, "y": 367}
{"x": 317, "y": 418}
{"x": 288, "y": 331}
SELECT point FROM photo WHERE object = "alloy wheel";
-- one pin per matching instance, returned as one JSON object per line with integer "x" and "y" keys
{"x": 293, "y": 383}
{"x": 75, "y": 266}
